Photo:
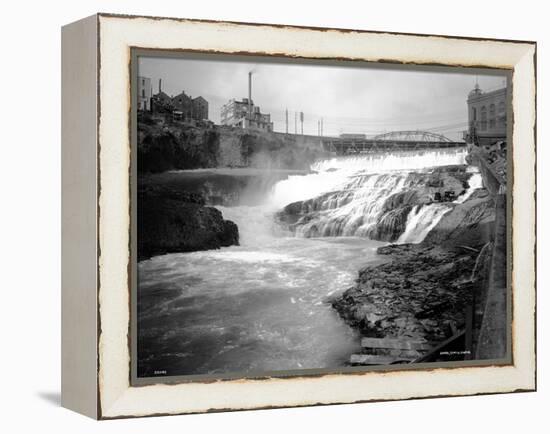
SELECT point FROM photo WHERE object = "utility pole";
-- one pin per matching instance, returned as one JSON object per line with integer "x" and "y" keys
{"x": 286, "y": 120}
{"x": 302, "y": 122}
{"x": 249, "y": 98}
{"x": 321, "y": 127}
{"x": 295, "y": 122}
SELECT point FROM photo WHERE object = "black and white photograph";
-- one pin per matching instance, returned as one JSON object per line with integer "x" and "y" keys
{"x": 306, "y": 216}
{"x": 232, "y": 217}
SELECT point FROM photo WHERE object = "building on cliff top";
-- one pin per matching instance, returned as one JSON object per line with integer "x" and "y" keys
{"x": 200, "y": 108}
{"x": 145, "y": 92}
{"x": 245, "y": 114}
{"x": 191, "y": 108}
{"x": 183, "y": 105}
{"x": 486, "y": 116}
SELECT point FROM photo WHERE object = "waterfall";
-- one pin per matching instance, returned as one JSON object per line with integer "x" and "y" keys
{"x": 420, "y": 221}
{"x": 355, "y": 208}
{"x": 387, "y": 197}
{"x": 475, "y": 182}
{"x": 391, "y": 161}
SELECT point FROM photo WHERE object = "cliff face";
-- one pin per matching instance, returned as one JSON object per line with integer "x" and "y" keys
{"x": 161, "y": 149}
{"x": 177, "y": 145}
{"x": 171, "y": 221}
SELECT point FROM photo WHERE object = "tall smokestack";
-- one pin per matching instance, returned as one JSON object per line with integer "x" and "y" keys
{"x": 249, "y": 96}
{"x": 160, "y": 85}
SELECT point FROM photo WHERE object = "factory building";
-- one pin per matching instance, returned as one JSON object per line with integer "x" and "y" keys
{"x": 245, "y": 114}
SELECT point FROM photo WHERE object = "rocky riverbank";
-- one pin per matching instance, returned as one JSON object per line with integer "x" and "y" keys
{"x": 423, "y": 291}
{"x": 172, "y": 220}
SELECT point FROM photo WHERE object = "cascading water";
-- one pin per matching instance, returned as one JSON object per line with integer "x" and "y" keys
{"x": 360, "y": 196}
{"x": 395, "y": 161}
{"x": 261, "y": 306}
{"x": 420, "y": 221}
{"x": 356, "y": 208}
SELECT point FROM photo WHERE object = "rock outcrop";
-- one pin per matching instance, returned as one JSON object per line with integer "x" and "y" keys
{"x": 424, "y": 291}
{"x": 225, "y": 187}
{"x": 470, "y": 223}
{"x": 420, "y": 293}
{"x": 375, "y": 205}
{"x": 170, "y": 221}
{"x": 162, "y": 148}
{"x": 170, "y": 145}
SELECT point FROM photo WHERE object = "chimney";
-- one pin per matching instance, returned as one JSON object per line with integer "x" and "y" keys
{"x": 160, "y": 85}
{"x": 249, "y": 95}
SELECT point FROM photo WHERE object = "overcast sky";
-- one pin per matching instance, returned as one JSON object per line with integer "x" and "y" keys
{"x": 349, "y": 99}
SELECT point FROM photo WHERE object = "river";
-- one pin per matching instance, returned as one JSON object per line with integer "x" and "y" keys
{"x": 262, "y": 306}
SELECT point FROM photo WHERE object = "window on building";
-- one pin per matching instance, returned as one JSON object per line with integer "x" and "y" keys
{"x": 492, "y": 110}
{"x": 502, "y": 114}
{"x": 474, "y": 114}
{"x": 492, "y": 123}
{"x": 483, "y": 118}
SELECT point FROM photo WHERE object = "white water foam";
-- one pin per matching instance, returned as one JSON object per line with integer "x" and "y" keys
{"x": 347, "y": 195}
{"x": 475, "y": 182}
{"x": 420, "y": 221}
{"x": 335, "y": 173}
{"x": 394, "y": 161}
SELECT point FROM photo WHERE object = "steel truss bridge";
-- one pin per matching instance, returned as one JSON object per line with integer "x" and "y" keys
{"x": 395, "y": 141}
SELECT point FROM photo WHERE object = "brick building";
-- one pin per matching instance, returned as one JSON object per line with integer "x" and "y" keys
{"x": 200, "y": 108}
{"x": 162, "y": 103}
{"x": 182, "y": 105}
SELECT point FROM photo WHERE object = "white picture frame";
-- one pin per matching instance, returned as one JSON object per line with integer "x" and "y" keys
{"x": 96, "y": 216}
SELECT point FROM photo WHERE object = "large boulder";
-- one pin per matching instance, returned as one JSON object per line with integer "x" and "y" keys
{"x": 469, "y": 223}
{"x": 169, "y": 222}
